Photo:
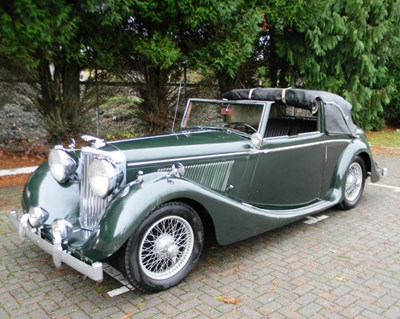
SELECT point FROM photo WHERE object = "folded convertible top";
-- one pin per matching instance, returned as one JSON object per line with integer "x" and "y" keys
{"x": 337, "y": 115}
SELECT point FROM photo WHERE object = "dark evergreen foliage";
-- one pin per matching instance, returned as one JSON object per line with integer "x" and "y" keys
{"x": 349, "y": 47}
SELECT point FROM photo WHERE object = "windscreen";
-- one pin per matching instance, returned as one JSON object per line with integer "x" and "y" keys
{"x": 240, "y": 116}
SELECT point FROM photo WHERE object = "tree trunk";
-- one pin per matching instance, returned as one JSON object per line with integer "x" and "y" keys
{"x": 71, "y": 92}
{"x": 155, "y": 111}
{"x": 59, "y": 99}
{"x": 273, "y": 59}
{"x": 47, "y": 94}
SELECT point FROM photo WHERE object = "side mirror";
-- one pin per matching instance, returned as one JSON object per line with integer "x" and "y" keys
{"x": 256, "y": 139}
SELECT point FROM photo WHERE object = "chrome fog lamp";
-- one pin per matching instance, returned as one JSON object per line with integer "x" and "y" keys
{"x": 104, "y": 177}
{"x": 62, "y": 164}
{"x": 61, "y": 228}
{"x": 37, "y": 216}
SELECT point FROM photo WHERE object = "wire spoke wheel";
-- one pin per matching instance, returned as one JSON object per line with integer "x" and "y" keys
{"x": 354, "y": 181}
{"x": 166, "y": 247}
{"x": 354, "y": 184}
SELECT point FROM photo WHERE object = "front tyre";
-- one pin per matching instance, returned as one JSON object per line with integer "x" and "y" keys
{"x": 355, "y": 182}
{"x": 165, "y": 247}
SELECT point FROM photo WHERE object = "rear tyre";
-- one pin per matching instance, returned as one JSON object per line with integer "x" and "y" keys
{"x": 354, "y": 184}
{"x": 165, "y": 247}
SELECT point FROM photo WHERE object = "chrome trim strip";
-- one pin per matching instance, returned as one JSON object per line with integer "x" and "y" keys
{"x": 313, "y": 133}
{"x": 94, "y": 271}
{"x": 177, "y": 159}
{"x": 307, "y": 133}
{"x": 273, "y": 150}
{"x": 252, "y": 151}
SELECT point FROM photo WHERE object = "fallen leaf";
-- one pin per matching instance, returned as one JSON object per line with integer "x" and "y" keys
{"x": 232, "y": 301}
{"x": 237, "y": 267}
{"x": 228, "y": 300}
{"x": 127, "y": 315}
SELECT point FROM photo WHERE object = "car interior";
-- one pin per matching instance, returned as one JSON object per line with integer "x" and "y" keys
{"x": 290, "y": 121}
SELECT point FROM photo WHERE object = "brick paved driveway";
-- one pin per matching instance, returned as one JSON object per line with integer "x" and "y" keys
{"x": 346, "y": 266}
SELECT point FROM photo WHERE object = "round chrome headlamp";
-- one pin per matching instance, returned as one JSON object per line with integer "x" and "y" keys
{"x": 62, "y": 164}
{"x": 37, "y": 216}
{"x": 104, "y": 177}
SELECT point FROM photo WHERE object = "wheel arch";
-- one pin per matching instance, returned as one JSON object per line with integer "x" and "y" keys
{"x": 367, "y": 161}
{"x": 172, "y": 230}
{"x": 206, "y": 219}
{"x": 128, "y": 210}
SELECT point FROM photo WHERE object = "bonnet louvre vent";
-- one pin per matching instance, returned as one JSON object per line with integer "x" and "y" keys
{"x": 211, "y": 175}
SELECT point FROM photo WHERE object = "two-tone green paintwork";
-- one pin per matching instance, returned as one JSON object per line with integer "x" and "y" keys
{"x": 270, "y": 185}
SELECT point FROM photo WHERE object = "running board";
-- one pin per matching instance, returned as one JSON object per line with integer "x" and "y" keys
{"x": 295, "y": 212}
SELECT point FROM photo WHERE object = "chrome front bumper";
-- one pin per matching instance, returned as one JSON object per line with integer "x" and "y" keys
{"x": 94, "y": 271}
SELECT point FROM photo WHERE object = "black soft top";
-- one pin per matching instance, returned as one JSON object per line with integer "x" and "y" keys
{"x": 337, "y": 110}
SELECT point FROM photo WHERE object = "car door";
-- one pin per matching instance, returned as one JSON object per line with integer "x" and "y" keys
{"x": 289, "y": 165}
{"x": 335, "y": 146}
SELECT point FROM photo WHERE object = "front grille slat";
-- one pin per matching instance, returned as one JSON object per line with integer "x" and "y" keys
{"x": 91, "y": 206}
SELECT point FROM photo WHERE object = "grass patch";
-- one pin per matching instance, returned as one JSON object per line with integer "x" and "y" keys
{"x": 387, "y": 138}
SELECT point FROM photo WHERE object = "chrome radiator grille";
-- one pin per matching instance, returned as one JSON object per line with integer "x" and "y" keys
{"x": 212, "y": 175}
{"x": 91, "y": 206}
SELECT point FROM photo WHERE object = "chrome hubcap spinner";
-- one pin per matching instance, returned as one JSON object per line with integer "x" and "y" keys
{"x": 166, "y": 247}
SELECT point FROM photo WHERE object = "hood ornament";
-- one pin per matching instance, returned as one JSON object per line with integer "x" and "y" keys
{"x": 72, "y": 145}
{"x": 96, "y": 142}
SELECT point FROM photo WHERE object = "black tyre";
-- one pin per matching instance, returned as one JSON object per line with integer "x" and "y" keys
{"x": 354, "y": 184}
{"x": 165, "y": 247}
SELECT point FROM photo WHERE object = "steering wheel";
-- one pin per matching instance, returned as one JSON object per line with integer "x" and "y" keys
{"x": 243, "y": 127}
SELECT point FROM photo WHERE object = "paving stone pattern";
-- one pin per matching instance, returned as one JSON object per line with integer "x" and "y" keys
{"x": 346, "y": 266}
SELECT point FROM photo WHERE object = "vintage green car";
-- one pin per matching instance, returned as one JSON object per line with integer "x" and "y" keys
{"x": 248, "y": 163}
